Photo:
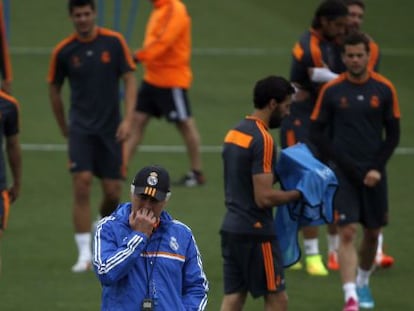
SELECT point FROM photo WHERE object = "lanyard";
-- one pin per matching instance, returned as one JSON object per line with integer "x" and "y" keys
{"x": 152, "y": 264}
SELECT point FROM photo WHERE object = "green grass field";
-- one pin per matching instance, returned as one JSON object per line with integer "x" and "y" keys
{"x": 236, "y": 42}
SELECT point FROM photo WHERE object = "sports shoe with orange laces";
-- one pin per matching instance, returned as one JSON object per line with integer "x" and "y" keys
{"x": 384, "y": 260}
{"x": 333, "y": 263}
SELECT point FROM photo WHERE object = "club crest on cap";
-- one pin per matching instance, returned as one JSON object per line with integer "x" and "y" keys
{"x": 152, "y": 179}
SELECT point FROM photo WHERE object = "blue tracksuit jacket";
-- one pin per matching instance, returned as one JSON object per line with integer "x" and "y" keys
{"x": 166, "y": 267}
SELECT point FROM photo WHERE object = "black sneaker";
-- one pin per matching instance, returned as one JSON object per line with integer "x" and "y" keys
{"x": 191, "y": 179}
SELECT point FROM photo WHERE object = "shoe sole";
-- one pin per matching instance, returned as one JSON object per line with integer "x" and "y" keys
{"x": 365, "y": 305}
{"x": 79, "y": 270}
{"x": 333, "y": 268}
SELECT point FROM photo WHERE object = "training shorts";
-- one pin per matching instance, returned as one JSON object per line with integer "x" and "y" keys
{"x": 4, "y": 209}
{"x": 251, "y": 265}
{"x": 171, "y": 103}
{"x": 355, "y": 203}
{"x": 97, "y": 153}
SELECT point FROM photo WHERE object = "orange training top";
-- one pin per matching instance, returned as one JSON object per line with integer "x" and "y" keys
{"x": 166, "y": 51}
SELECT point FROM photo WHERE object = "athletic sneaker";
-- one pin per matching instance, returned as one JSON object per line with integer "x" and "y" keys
{"x": 384, "y": 260}
{"x": 191, "y": 179}
{"x": 364, "y": 297}
{"x": 351, "y": 305}
{"x": 82, "y": 266}
{"x": 333, "y": 263}
{"x": 315, "y": 266}
{"x": 296, "y": 266}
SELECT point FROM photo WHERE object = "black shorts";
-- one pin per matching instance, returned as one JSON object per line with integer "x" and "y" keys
{"x": 295, "y": 127}
{"x": 99, "y": 154}
{"x": 360, "y": 204}
{"x": 251, "y": 265}
{"x": 171, "y": 103}
{"x": 4, "y": 209}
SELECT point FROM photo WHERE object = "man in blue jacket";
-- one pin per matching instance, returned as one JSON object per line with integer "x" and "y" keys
{"x": 145, "y": 259}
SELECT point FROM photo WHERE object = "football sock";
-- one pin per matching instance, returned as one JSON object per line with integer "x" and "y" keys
{"x": 362, "y": 278}
{"x": 380, "y": 244}
{"x": 349, "y": 291}
{"x": 311, "y": 246}
{"x": 83, "y": 242}
{"x": 333, "y": 242}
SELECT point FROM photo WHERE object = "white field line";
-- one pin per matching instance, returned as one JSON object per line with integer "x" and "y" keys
{"x": 165, "y": 148}
{"x": 215, "y": 51}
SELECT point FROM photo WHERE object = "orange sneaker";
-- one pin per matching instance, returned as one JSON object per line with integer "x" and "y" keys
{"x": 333, "y": 263}
{"x": 384, "y": 260}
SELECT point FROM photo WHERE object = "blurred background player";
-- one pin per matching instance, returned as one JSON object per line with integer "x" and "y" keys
{"x": 165, "y": 57}
{"x": 356, "y": 12}
{"x": 360, "y": 108}
{"x": 94, "y": 60}
{"x": 356, "y": 9}
{"x": 5, "y": 64}
{"x": 9, "y": 124}
{"x": 318, "y": 48}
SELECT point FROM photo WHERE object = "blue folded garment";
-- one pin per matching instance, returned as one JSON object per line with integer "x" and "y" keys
{"x": 298, "y": 169}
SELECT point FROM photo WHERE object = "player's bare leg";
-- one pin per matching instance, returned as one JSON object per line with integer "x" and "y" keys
{"x": 191, "y": 136}
{"x": 137, "y": 133}
{"x": 233, "y": 302}
{"x": 112, "y": 190}
{"x": 276, "y": 302}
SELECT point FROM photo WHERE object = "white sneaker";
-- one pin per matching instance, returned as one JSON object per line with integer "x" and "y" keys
{"x": 82, "y": 266}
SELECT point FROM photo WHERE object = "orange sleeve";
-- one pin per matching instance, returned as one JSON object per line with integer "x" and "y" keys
{"x": 315, "y": 51}
{"x": 165, "y": 24}
{"x": 395, "y": 105}
{"x": 268, "y": 149}
{"x": 53, "y": 59}
{"x": 298, "y": 51}
{"x": 374, "y": 55}
{"x": 124, "y": 45}
{"x": 317, "y": 109}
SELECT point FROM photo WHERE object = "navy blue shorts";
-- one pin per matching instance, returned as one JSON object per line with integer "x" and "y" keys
{"x": 250, "y": 265}
{"x": 96, "y": 153}
{"x": 4, "y": 209}
{"x": 360, "y": 204}
{"x": 170, "y": 103}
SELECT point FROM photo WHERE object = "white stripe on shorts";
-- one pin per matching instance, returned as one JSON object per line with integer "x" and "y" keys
{"x": 179, "y": 103}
